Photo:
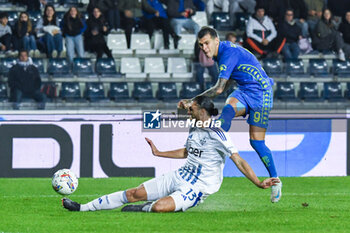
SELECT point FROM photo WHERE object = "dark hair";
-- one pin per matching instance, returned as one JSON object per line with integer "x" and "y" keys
{"x": 289, "y": 9}
{"x": 45, "y": 20}
{"x": 207, "y": 104}
{"x": 207, "y": 30}
{"x": 3, "y": 15}
{"x": 230, "y": 34}
{"x": 22, "y": 51}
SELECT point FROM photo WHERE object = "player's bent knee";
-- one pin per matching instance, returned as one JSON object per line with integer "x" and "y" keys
{"x": 136, "y": 194}
{"x": 164, "y": 205}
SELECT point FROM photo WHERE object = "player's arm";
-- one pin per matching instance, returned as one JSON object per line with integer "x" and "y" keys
{"x": 220, "y": 86}
{"x": 175, "y": 154}
{"x": 244, "y": 167}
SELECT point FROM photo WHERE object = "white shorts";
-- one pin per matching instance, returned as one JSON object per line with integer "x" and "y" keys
{"x": 185, "y": 195}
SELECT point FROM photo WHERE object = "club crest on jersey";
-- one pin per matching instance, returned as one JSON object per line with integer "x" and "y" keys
{"x": 151, "y": 120}
{"x": 202, "y": 141}
{"x": 223, "y": 67}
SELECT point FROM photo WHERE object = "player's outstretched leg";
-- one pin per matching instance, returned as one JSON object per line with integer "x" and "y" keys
{"x": 257, "y": 141}
{"x": 145, "y": 207}
{"x": 227, "y": 114}
{"x": 70, "y": 205}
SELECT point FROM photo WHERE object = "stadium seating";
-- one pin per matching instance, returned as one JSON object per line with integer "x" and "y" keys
{"x": 143, "y": 92}
{"x": 70, "y": 3}
{"x": 82, "y": 67}
{"x": 273, "y": 67}
{"x": 12, "y": 17}
{"x": 106, "y": 67}
{"x": 154, "y": 67}
{"x": 241, "y": 20}
{"x": 59, "y": 16}
{"x": 187, "y": 42}
{"x": 39, "y": 63}
{"x": 6, "y": 64}
{"x": 285, "y": 91}
{"x": 34, "y": 16}
{"x": 3, "y": 92}
{"x": 70, "y": 91}
{"x": 190, "y": 90}
{"x": 221, "y": 21}
{"x": 117, "y": 43}
{"x": 141, "y": 43}
{"x": 58, "y": 67}
{"x": 131, "y": 67}
{"x": 200, "y": 18}
{"x": 347, "y": 91}
{"x": 318, "y": 68}
{"x": 333, "y": 92}
{"x": 94, "y": 91}
{"x": 178, "y": 68}
{"x": 295, "y": 68}
{"x": 167, "y": 92}
{"x": 119, "y": 92}
{"x": 341, "y": 68}
{"x": 309, "y": 91}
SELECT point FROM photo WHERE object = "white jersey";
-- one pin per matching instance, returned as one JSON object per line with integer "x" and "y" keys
{"x": 207, "y": 149}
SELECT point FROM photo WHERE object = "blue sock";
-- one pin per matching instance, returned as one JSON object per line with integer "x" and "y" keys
{"x": 228, "y": 113}
{"x": 265, "y": 156}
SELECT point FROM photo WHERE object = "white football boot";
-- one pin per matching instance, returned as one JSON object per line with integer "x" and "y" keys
{"x": 276, "y": 192}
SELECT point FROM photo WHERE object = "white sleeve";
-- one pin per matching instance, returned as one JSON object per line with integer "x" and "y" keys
{"x": 224, "y": 142}
{"x": 269, "y": 25}
{"x": 250, "y": 28}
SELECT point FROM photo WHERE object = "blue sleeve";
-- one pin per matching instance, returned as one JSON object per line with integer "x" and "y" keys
{"x": 227, "y": 63}
{"x": 84, "y": 27}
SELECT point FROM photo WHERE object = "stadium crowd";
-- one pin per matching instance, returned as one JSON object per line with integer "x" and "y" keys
{"x": 273, "y": 28}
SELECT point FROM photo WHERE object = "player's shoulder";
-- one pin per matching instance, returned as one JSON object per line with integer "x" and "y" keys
{"x": 218, "y": 134}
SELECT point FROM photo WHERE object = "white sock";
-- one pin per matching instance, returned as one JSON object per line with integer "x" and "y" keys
{"x": 148, "y": 207}
{"x": 106, "y": 202}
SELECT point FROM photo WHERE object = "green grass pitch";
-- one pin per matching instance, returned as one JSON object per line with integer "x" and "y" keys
{"x": 31, "y": 205}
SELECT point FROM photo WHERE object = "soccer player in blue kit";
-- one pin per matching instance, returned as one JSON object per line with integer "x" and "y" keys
{"x": 253, "y": 97}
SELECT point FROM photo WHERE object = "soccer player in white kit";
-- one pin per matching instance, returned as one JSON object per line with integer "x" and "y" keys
{"x": 206, "y": 149}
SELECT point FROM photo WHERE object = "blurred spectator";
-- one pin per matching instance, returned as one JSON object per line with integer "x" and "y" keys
{"x": 261, "y": 35}
{"x": 326, "y": 37}
{"x": 344, "y": 28}
{"x": 155, "y": 16}
{"x": 24, "y": 35}
{"x": 24, "y": 81}
{"x": 108, "y": 8}
{"x": 290, "y": 32}
{"x": 267, "y": 5}
{"x": 231, "y": 36}
{"x": 338, "y": 7}
{"x": 201, "y": 61}
{"x": 221, "y": 5}
{"x": 235, "y": 6}
{"x": 73, "y": 27}
{"x": 5, "y": 33}
{"x": 50, "y": 33}
{"x": 180, "y": 12}
{"x": 95, "y": 34}
{"x": 32, "y": 5}
{"x": 314, "y": 9}
{"x": 199, "y": 4}
{"x": 300, "y": 13}
{"x": 131, "y": 11}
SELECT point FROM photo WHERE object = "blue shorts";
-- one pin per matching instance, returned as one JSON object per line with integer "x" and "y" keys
{"x": 257, "y": 104}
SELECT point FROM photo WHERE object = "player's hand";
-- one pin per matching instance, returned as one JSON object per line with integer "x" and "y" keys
{"x": 153, "y": 147}
{"x": 267, "y": 183}
{"x": 184, "y": 104}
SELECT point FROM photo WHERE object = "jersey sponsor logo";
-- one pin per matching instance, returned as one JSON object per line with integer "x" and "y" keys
{"x": 195, "y": 151}
{"x": 151, "y": 120}
{"x": 223, "y": 67}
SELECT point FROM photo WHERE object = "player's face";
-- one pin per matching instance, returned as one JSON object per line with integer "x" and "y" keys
{"x": 209, "y": 45}
{"x": 194, "y": 110}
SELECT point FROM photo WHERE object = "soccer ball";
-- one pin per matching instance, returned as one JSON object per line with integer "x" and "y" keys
{"x": 64, "y": 182}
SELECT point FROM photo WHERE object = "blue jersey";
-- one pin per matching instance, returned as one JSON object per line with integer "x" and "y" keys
{"x": 241, "y": 65}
